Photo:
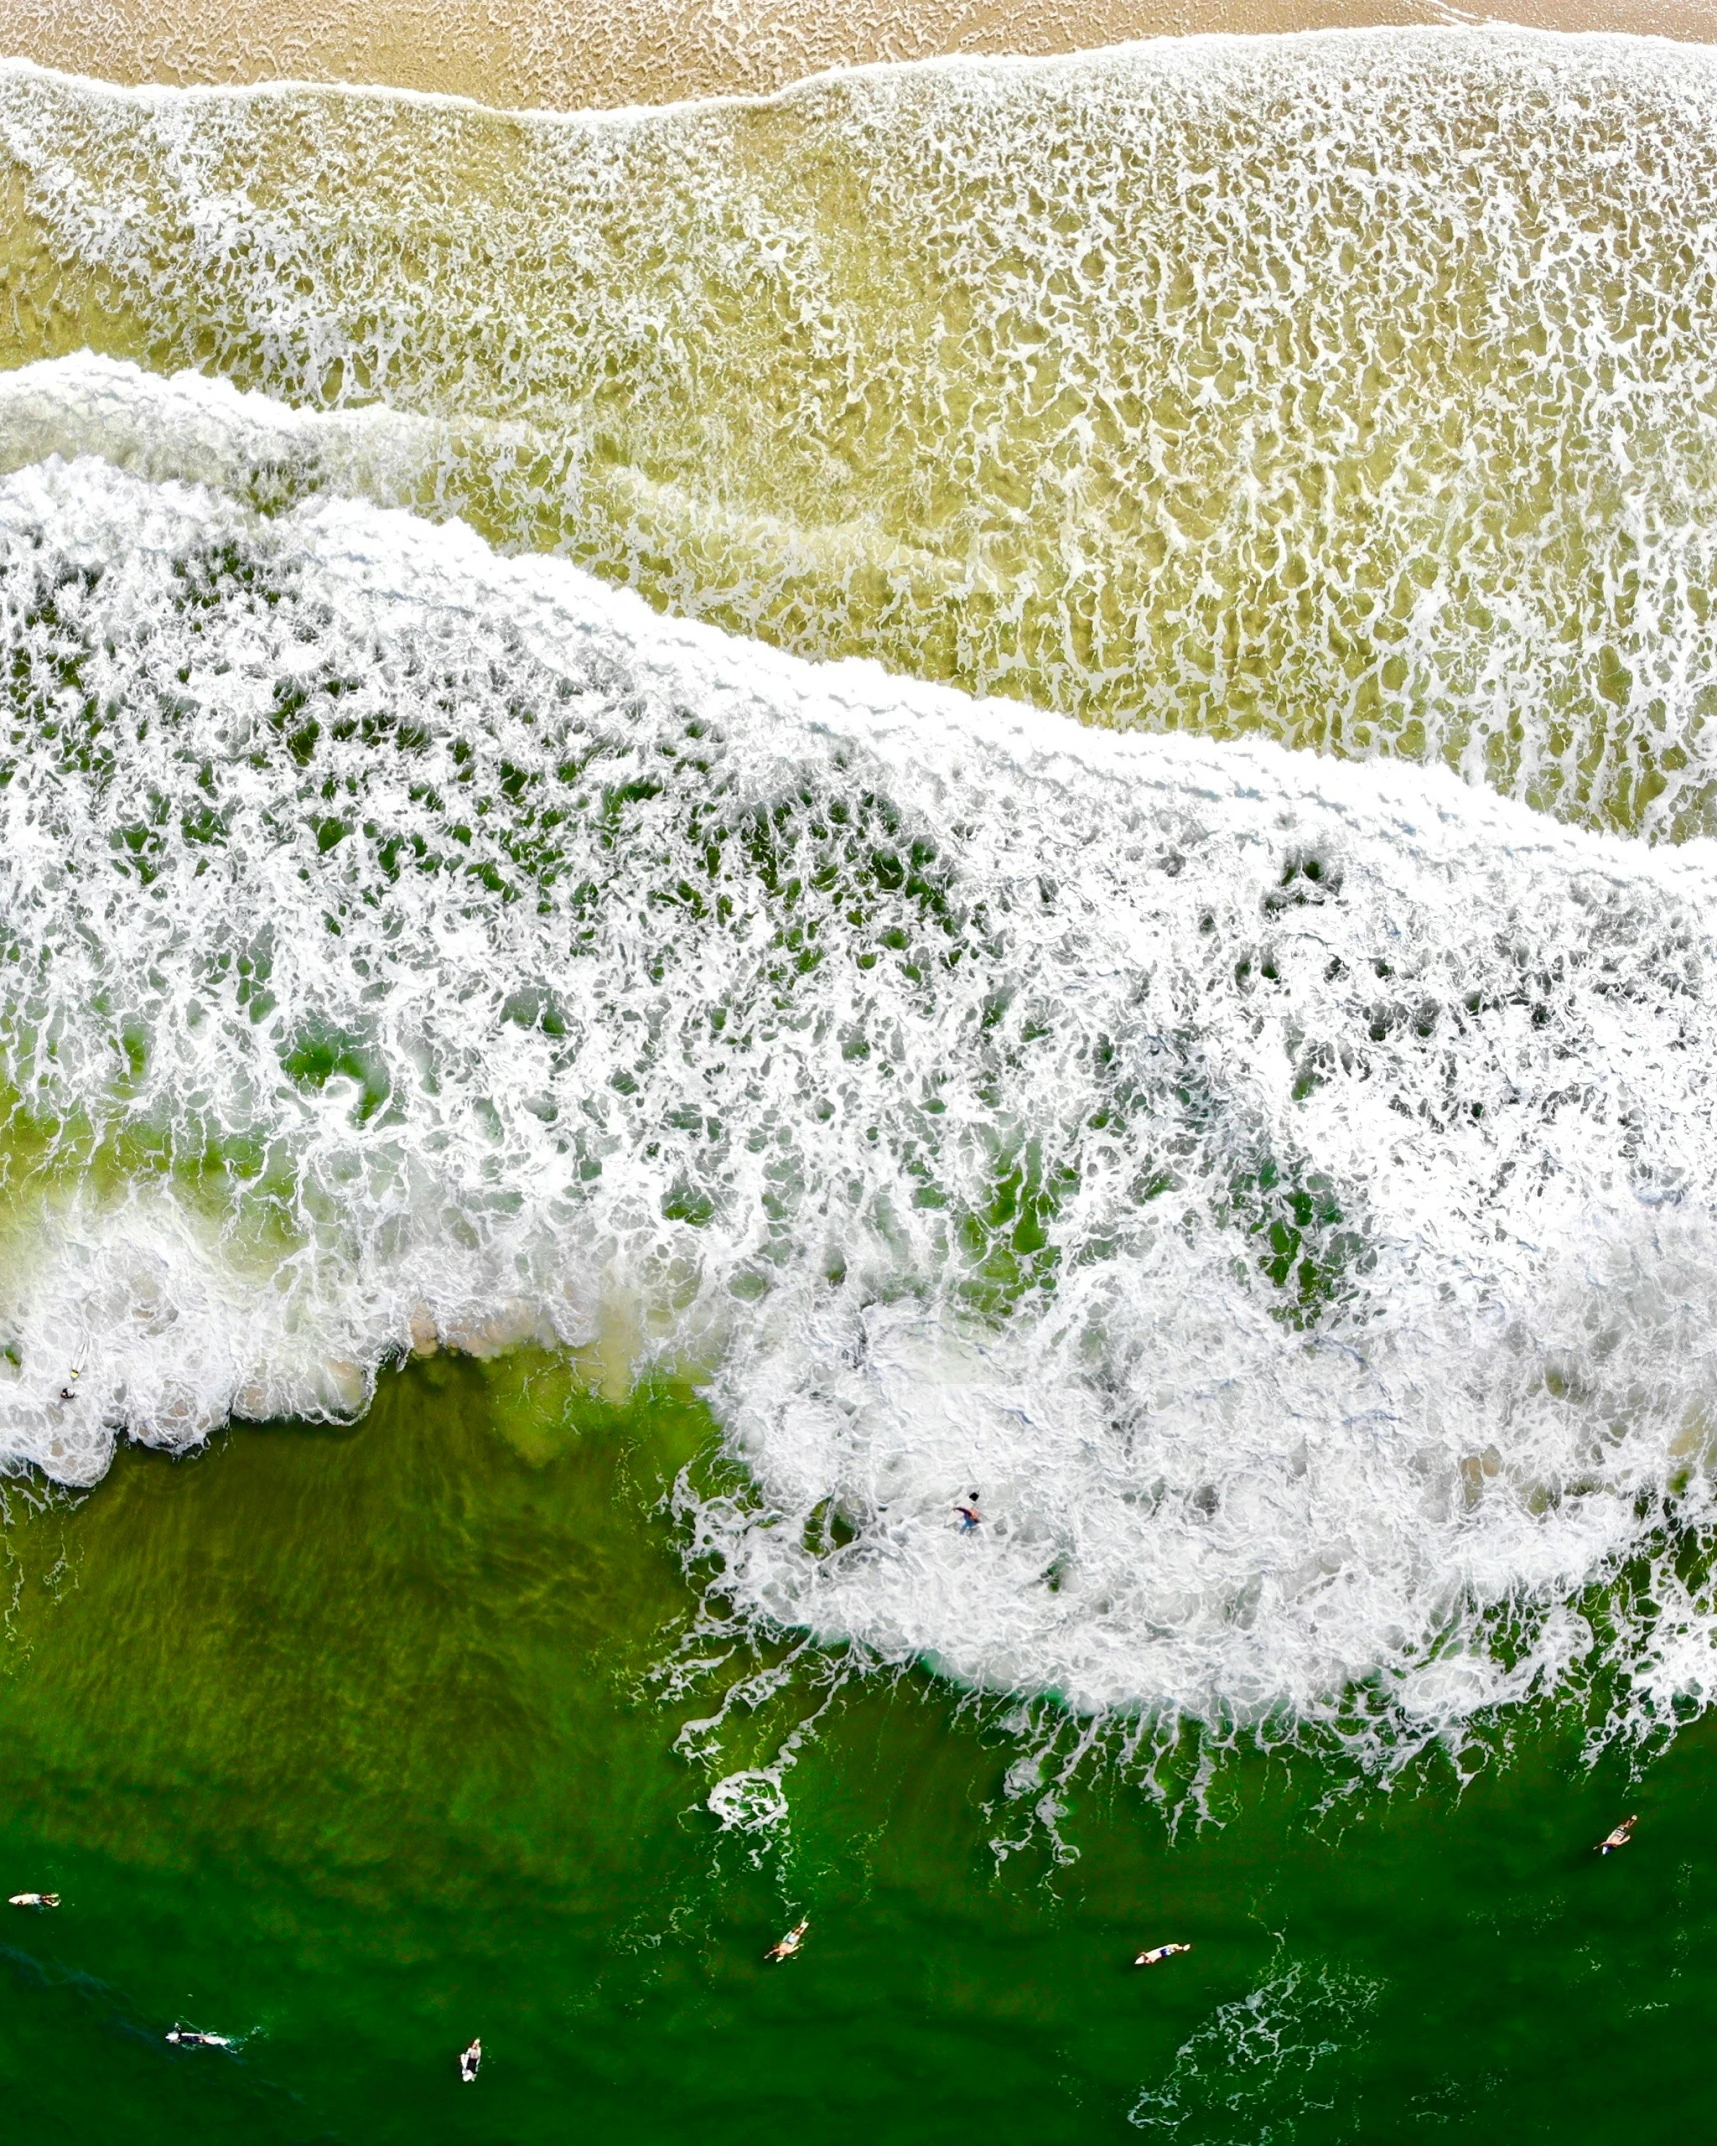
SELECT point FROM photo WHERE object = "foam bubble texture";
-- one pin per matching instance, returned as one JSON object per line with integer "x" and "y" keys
{"x": 1258, "y": 2057}
{"x": 566, "y": 53}
{"x": 1280, "y": 1189}
{"x": 1354, "y": 391}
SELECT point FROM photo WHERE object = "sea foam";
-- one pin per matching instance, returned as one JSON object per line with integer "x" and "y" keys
{"x": 1356, "y": 391}
{"x": 1280, "y": 1189}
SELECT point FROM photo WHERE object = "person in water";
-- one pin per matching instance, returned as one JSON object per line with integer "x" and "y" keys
{"x": 1159, "y": 1953}
{"x": 469, "y": 2060}
{"x": 785, "y": 1947}
{"x": 1620, "y": 1837}
{"x": 193, "y": 2038}
{"x": 34, "y": 1900}
{"x": 969, "y": 1513}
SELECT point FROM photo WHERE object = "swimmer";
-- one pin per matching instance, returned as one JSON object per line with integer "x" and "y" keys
{"x": 790, "y": 1944}
{"x": 193, "y": 2038}
{"x": 1620, "y": 1837}
{"x": 34, "y": 1900}
{"x": 469, "y": 2059}
{"x": 1158, "y": 1953}
{"x": 969, "y": 1513}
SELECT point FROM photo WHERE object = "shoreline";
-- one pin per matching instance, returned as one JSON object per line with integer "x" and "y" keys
{"x": 571, "y": 55}
{"x": 237, "y": 88}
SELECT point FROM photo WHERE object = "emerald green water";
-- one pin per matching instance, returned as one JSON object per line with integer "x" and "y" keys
{"x": 341, "y": 1742}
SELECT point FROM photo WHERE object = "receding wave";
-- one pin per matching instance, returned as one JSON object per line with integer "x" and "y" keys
{"x": 1279, "y": 1189}
{"x": 1354, "y": 391}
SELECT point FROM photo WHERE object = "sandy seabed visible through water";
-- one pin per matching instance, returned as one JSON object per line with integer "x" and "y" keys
{"x": 579, "y": 54}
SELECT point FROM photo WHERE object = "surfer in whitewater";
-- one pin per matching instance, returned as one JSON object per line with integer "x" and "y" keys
{"x": 969, "y": 1513}
{"x": 1620, "y": 1837}
{"x": 34, "y": 1900}
{"x": 469, "y": 2060}
{"x": 784, "y": 1948}
{"x": 194, "y": 2038}
{"x": 1159, "y": 1953}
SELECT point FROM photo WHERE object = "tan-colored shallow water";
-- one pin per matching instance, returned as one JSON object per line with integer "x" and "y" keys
{"x": 578, "y": 53}
{"x": 1356, "y": 390}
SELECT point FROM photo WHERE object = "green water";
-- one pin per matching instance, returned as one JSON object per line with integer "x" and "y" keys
{"x": 339, "y": 1742}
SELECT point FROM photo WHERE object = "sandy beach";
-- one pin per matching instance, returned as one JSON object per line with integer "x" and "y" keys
{"x": 573, "y": 53}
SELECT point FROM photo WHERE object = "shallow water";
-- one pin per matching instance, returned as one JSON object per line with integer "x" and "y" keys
{"x": 1355, "y": 391}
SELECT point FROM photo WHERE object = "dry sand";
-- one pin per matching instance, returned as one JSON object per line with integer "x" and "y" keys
{"x": 568, "y": 53}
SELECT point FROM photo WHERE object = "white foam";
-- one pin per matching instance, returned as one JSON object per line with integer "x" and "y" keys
{"x": 1354, "y": 390}
{"x": 1262, "y": 2056}
{"x": 964, "y": 1093}
{"x": 208, "y": 432}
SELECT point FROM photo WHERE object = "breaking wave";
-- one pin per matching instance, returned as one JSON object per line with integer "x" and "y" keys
{"x": 1281, "y": 1189}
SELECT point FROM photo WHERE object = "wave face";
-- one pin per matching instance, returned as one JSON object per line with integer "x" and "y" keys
{"x": 1280, "y": 1189}
{"x": 1356, "y": 391}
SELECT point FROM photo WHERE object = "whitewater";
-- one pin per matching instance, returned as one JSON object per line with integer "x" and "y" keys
{"x": 1279, "y": 1188}
{"x": 1353, "y": 390}
{"x": 539, "y": 807}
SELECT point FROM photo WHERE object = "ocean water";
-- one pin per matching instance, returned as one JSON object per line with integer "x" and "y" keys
{"x": 345, "y": 1744}
{"x": 563, "y": 54}
{"x": 1354, "y": 391}
{"x": 717, "y": 826}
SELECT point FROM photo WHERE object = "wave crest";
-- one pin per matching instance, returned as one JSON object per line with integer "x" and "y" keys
{"x": 1279, "y": 1189}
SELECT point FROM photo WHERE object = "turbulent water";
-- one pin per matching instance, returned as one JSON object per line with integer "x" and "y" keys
{"x": 1355, "y": 390}
{"x": 1280, "y": 1190}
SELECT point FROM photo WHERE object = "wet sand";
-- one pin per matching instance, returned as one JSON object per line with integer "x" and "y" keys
{"x": 570, "y": 53}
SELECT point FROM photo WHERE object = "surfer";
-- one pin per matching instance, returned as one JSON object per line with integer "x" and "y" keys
{"x": 194, "y": 2038}
{"x": 469, "y": 2060}
{"x": 785, "y": 1948}
{"x": 1158, "y": 1953}
{"x": 969, "y": 1513}
{"x": 1620, "y": 1837}
{"x": 34, "y": 1900}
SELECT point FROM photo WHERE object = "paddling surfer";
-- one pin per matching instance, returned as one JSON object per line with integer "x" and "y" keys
{"x": 784, "y": 1948}
{"x": 1620, "y": 1837}
{"x": 1159, "y": 1953}
{"x": 194, "y": 2038}
{"x": 469, "y": 2060}
{"x": 34, "y": 1900}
